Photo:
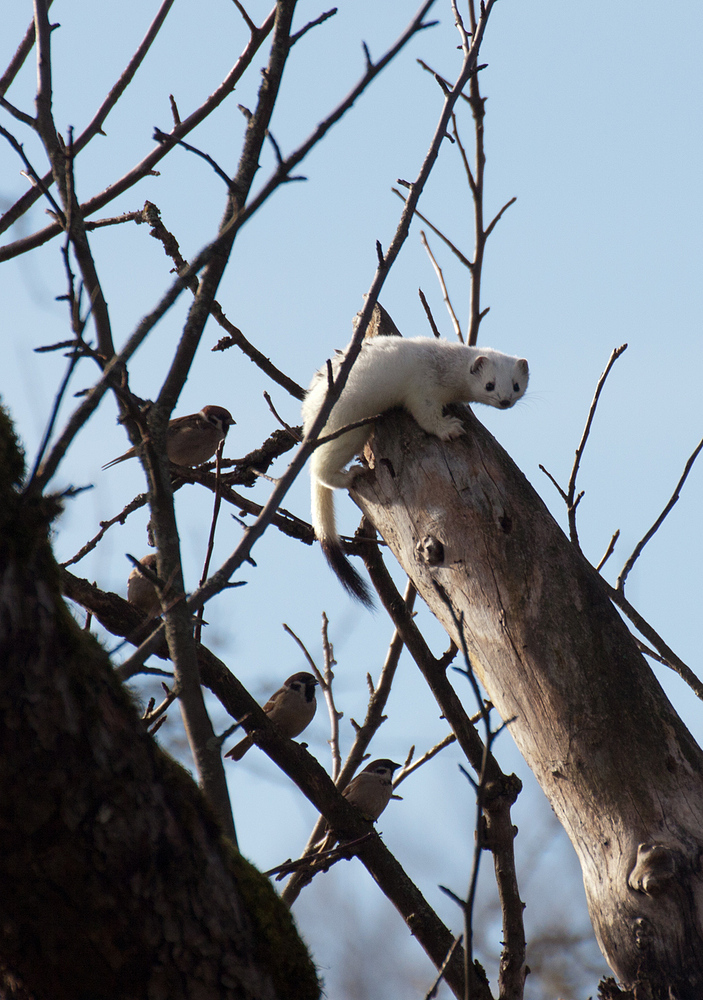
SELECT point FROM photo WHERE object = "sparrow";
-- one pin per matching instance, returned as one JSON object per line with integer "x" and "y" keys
{"x": 370, "y": 791}
{"x": 142, "y": 592}
{"x": 292, "y": 708}
{"x": 193, "y": 439}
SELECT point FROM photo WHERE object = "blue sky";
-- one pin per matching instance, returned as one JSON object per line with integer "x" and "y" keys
{"x": 594, "y": 123}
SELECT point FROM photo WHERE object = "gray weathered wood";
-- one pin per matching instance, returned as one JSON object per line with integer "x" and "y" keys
{"x": 620, "y": 769}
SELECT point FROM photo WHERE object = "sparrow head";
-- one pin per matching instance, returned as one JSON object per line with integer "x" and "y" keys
{"x": 382, "y": 767}
{"x": 220, "y": 418}
{"x": 302, "y": 682}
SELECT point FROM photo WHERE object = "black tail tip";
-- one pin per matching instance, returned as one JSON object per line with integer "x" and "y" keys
{"x": 352, "y": 582}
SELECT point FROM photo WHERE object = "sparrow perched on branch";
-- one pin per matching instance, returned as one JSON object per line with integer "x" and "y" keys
{"x": 193, "y": 439}
{"x": 141, "y": 592}
{"x": 370, "y": 791}
{"x": 292, "y": 708}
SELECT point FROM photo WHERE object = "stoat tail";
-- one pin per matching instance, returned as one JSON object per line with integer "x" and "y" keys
{"x": 325, "y": 526}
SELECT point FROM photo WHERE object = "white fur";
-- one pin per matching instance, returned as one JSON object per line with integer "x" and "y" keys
{"x": 420, "y": 374}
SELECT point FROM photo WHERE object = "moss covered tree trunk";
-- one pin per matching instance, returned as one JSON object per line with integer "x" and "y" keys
{"x": 623, "y": 774}
{"x": 115, "y": 879}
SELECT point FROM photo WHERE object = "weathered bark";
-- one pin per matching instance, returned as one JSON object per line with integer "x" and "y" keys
{"x": 116, "y": 879}
{"x": 621, "y": 771}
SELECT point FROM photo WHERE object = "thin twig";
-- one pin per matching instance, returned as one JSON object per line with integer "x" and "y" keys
{"x": 322, "y": 861}
{"x": 335, "y": 716}
{"x": 432, "y": 992}
{"x": 409, "y": 769}
{"x": 211, "y": 538}
{"x": 153, "y": 714}
{"x": 30, "y": 172}
{"x": 139, "y": 501}
{"x": 442, "y": 284}
{"x": 609, "y": 551}
{"x": 160, "y": 136}
{"x": 571, "y": 501}
{"x": 478, "y": 110}
{"x": 438, "y": 232}
{"x": 428, "y": 313}
{"x": 324, "y": 679}
{"x": 294, "y": 433}
{"x": 312, "y": 24}
{"x": 247, "y": 20}
{"x": 553, "y": 481}
{"x": 637, "y": 551}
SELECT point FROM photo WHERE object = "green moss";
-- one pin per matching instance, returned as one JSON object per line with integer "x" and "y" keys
{"x": 278, "y": 944}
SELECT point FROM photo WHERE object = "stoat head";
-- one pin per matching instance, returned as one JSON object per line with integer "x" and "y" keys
{"x": 500, "y": 379}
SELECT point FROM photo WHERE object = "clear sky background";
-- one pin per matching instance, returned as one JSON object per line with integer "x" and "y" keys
{"x": 594, "y": 121}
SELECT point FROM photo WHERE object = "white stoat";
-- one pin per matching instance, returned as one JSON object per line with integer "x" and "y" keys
{"x": 420, "y": 374}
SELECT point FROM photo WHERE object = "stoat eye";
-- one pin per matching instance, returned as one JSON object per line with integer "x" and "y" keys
{"x": 516, "y": 387}
{"x": 490, "y": 386}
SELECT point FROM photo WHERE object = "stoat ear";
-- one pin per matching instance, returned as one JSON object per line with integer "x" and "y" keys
{"x": 523, "y": 366}
{"x": 478, "y": 364}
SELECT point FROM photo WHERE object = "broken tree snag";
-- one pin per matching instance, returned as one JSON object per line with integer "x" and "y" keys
{"x": 620, "y": 769}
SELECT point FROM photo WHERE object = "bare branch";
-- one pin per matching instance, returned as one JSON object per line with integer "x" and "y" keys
{"x": 146, "y": 166}
{"x": 669, "y": 657}
{"x": 237, "y": 339}
{"x": 21, "y": 116}
{"x": 152, "y": 215}
{"x": 18, "y": 60}
{"x": 177, "y": 625}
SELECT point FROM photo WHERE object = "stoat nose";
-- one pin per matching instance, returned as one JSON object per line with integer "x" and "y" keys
{"x": 505, "y": 403}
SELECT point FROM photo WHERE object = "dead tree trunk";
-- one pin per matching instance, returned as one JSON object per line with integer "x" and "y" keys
{"x": 620, "y": 769}
{"x": 116, "y": 879}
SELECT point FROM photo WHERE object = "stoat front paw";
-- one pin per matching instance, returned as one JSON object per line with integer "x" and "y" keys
{"x": 451, "y": 427}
